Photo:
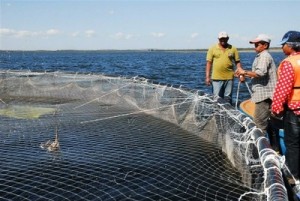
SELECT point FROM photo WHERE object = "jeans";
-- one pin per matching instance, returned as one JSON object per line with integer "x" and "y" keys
{"x": 292, "y": 142}
{"x": 223, "y": 89}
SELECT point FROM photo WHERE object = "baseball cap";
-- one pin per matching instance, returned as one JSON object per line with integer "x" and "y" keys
{"x": 291, "y": 37}
{"x": 223, "y": 34}
{"x": 261, "y": 37}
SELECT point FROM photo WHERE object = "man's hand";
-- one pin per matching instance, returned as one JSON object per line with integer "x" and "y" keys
{"x": 207, "y": 81}
{"x": 242, "y": 78}
{"x": 278, "y": 116}
{"x": 239, "y": 72}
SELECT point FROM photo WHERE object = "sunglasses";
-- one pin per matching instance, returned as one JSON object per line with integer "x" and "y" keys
{"x": 258, "y": 44}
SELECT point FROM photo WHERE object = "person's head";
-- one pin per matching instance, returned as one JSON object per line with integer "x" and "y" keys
{"x": 223, "y": 38}
{"x": 261, "y": 42}
{"x": 290, "y": 42}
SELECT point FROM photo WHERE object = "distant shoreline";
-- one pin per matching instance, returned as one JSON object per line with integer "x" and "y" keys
{"x": 274, "y": 49}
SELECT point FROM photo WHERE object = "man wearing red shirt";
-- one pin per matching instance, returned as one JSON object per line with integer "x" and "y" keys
{"x": 286, "y": 100}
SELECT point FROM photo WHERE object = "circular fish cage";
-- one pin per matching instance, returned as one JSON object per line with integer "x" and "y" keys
{"x": 92, "y": 137}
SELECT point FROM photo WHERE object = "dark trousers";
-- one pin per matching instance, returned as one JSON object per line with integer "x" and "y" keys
{"x": 262, "y": 114}
{"x": 292, "y": 142}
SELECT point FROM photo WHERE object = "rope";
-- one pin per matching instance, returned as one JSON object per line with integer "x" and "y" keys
{"x": 250, "y": 92}
{"x": 237, "y": 95}
{"x": 238, "y": 92}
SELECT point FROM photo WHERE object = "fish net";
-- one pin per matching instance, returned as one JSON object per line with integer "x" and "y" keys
{"x": 68, "y": 136}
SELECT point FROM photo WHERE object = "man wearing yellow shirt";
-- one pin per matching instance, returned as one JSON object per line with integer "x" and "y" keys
{"x": 220, "y": 61}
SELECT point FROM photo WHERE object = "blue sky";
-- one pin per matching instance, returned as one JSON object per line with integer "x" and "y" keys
{"x": 141, "y": 24}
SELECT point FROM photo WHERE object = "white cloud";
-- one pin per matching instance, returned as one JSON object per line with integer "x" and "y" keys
{"x": 158, "y": 35}
{"x": 25, "y": 33}
{"x": 90, "y": 33}
{"x": 122, "y": 36}
{"x": 6, "y": 32}
{"x": 194, "y": 35}
{"x": 52, "y": 32}
{"x": 75, "y": 34}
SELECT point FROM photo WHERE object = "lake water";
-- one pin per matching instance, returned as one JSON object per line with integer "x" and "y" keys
{"x": 139, "y": 156}
{"x": 186, "y": 68}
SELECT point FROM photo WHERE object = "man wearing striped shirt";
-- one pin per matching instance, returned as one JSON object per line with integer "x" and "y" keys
{"x": 263, "y": 79}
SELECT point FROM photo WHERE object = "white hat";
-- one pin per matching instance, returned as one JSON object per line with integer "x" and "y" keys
{"x": 261, "y": 37}
{"x": 223, "y": 34}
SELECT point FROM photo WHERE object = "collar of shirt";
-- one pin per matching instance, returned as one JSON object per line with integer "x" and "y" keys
{"x": 295, "y": 53}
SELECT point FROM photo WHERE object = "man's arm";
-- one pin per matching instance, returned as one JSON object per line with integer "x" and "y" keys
{"x": 284, "y": 87}
{"x": 240, "y": 71}
{"x": 237, "y": 60}
{"x": 238, "y": 65}
{"x": 207, "y": 73}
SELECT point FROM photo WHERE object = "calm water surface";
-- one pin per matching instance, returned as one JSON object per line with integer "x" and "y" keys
{"x": 174, "y": 68}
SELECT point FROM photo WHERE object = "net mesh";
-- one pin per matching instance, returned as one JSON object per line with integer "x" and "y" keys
{"x": 75, "y": 136}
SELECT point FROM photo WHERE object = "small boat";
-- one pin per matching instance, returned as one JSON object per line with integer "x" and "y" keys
{"x": 276, "y": 125}
{"x": 247, "y": 107}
